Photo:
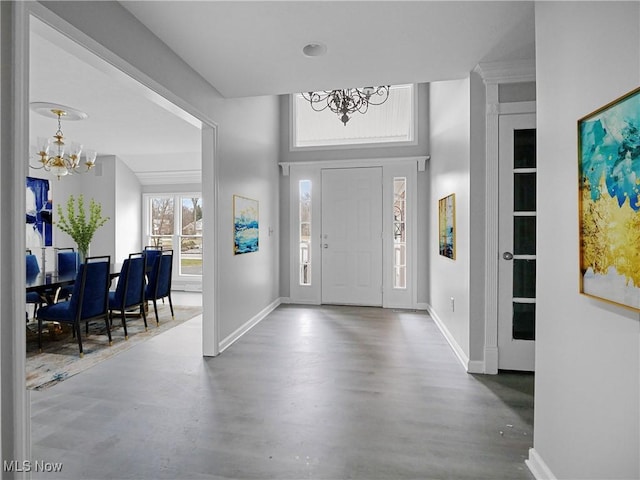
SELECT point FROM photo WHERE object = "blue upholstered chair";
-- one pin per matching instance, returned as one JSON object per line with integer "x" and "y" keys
{"x": 152, "y": 252}
{"x": 159, "y": 285}
{"x": 129, "y": 292}
{"x": 33, "y": 269}
{"x": 68, "y": 262}
{"x": 89, "y": 299}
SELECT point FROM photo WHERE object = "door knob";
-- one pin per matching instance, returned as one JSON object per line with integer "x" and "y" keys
{"x": 507, "y": 256}
{"x": 326, "y": 245}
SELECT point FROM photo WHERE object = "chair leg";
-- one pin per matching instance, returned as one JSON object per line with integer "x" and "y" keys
{"x": 124, "y": 324}
{"x": 40, "y": 335}
{"x": 106, "y": 322}
{"x": 171, "y": 306}
{"x": 155, "y": 308}
{"x": 144, "y": 316}
{"x": 76, "y": 327}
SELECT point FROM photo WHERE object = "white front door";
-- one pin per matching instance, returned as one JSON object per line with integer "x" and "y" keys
{"x": 517, "y": 242}
{"x": 352, "y": 236}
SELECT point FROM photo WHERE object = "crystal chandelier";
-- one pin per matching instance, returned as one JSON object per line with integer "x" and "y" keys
{"x": 53, "y": 152}
{"x": 347, "y": 101}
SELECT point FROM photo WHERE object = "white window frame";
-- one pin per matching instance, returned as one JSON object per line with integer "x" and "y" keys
{"x": 413, "y": 125}
{"x": 180, "y": 281}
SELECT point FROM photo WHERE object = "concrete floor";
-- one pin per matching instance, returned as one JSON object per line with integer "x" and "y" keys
{"x": 310, "y": 392}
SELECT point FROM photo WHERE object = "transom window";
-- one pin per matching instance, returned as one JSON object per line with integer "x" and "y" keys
{"x": 391, "y": 122}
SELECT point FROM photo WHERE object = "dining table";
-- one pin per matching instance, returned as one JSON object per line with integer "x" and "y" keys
{"x": 47, "y": 283}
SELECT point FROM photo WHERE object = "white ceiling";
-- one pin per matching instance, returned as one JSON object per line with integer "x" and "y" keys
{"x": 248, "y": 48}
{"x": 255, "y": 48}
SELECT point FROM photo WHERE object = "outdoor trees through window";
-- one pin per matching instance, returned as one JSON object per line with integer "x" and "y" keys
{"x": 163, "y": 231}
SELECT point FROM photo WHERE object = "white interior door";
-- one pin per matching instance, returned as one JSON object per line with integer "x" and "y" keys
{"x": 352, "y": 236}
{"x": 517, "y": 241}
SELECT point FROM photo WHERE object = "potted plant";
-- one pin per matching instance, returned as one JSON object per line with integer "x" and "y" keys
{"x": 76, "y": 224}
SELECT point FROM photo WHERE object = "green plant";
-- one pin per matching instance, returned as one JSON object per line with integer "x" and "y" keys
{"x": 75, "y": 222}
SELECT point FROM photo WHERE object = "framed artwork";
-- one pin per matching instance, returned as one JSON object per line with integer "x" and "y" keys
{"x": 245, "y": 225}
{"x": 447, "y": 226}
{"x": 39, "y": 229}
{"x": 609, "y": 201}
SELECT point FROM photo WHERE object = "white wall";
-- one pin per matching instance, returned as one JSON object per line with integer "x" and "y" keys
{"x": 249, "y": 282}
{"x": 449, "y": 170}
{"x": 587, "y": 392}
{"x": 128, "y": 212}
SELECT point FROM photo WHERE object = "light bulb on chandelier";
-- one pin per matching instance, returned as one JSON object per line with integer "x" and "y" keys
{"x": 52, "y": 151}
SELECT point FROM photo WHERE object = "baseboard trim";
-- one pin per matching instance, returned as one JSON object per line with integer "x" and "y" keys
{"x": 538, "y": 467}
{"x": 476, "y": 366}
{"x": 491, "y": 360}
{"x": 457, "y": 349}
{"x": 228, "y": 341}
{"x": 422, "y": 306}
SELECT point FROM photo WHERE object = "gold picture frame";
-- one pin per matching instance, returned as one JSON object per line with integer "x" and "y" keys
{"x": 609, "y": 201}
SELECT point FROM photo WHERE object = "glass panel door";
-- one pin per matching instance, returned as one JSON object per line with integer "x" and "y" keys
{"x": 517, "y": 238}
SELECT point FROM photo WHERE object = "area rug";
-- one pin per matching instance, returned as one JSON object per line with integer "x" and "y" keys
{"x": 60, "y": 357}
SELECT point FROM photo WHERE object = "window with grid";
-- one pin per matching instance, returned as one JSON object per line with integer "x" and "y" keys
{"x": 175, "y": 222}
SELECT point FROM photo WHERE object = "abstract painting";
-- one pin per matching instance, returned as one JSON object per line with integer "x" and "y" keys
{"x": 447, "y": 226}
{"x": 609, "y": 201}
{"x": 245, "y": 225}
{"x": 38, "y": 212}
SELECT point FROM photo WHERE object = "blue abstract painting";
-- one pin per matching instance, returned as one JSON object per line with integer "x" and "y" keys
{"x": 609, "y": 186}
{"x": 245, "y": 225}
{"x": 38, "y": 213}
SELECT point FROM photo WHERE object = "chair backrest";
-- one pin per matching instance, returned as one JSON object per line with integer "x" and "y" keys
{"x": 32, "y": 266}
{"x": 90, "y": 296}
{"x": 160, "y": 275}
{"x": 131, "y": 282}
{"x": 67, "y": 261}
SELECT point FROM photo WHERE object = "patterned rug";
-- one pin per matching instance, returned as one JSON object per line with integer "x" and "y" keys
{"x": 60, "y": 357}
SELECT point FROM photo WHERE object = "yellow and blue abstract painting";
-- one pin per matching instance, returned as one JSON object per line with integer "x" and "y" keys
{"x": 246, "y": 228}
{"x": 609, "y": 189}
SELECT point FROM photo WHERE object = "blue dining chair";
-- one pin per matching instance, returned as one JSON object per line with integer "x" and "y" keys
{"x": 89, "y": 299}
{"x": 68, "y": 262}
{"x": 159, "y": 286}
{"x": 33, "y": 269}
{"x": 129, "y": 292}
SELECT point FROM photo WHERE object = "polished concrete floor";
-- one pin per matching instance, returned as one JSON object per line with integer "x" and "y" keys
{"x": 311, "y": 392}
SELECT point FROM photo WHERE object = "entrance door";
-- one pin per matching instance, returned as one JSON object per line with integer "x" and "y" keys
{"x": 352, "y": 236}
{"x": 517, "y": 242}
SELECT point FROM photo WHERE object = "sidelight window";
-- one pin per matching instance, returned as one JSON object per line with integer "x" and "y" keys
{"x": 400, "y": 232}
{"x": 305, "y": 231}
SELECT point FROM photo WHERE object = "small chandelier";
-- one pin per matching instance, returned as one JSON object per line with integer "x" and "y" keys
{"x": 54, "y": 156}
{"x": 347, "y": 101}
